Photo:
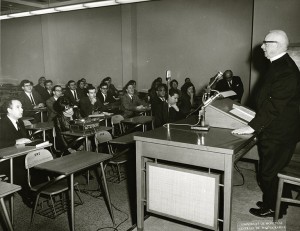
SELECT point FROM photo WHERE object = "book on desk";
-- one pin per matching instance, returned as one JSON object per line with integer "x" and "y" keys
{"x": 37, "y": 143}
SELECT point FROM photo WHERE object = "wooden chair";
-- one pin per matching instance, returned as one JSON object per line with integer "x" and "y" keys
{"x": 289, "y": 175}
{"x": 118, "y": 157}
{"x": 50, "y": 188}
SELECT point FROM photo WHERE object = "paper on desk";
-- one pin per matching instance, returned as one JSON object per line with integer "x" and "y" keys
{"x": 226, "y": 94}
{"x": 96, "y": 115}
{"x": 242, "y": 112}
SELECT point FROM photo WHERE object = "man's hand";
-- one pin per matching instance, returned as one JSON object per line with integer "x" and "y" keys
{"x": 243, "y": 130}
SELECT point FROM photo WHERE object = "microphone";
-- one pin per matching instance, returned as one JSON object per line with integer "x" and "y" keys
{"x": 168, "y": 75}
{"x": 217, "y": 77}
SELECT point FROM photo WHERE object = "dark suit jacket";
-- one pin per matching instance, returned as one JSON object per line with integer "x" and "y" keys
{"x": 277, "y": 115}
{"x": 156, "y": 104}
{"x": 70, "y": 95}
{"x": 51, "y": 112}
{"x": 26, "y": 103}
{"x": 42, "y": 91}
{"x": 9, "y": 134}
{"x": 166, "y": 115}
{"x": 109, "y": 97}
{"x": 236, "y": 86}
{"x": 129, "y": 106}
{"x": 86, "y": 107}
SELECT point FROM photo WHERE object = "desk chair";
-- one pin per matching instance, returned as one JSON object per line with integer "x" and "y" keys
{"x": 290, "y": 175}
{"x": 118, "y": 157}
{"x": 117, "y": 126}
{"x": 50, "y": 188}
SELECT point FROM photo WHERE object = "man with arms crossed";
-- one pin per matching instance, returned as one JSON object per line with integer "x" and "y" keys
{"x": 277, "y": 121}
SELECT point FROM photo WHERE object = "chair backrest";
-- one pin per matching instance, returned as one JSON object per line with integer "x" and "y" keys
{"x": 103, "y": 137}
{"x": 116, "y": 120}
{"x": 27, "y": 122}
{"x": 37, "y": 157}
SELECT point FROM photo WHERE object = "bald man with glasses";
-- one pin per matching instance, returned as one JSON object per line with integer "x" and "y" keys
{"x": 277, "y": 120}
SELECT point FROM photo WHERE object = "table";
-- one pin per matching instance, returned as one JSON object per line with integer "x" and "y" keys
{"x": 216, "y": 149}
{"x": 70, "y": 164}
{"x": 39, "y": 110}
{"x": 5, "y": 190}
{"x": 102, "y": 116}
{"x": 86, "y": 135}
{"x": 10, "y": 153}
{"x": 126, "y": 139}
{"x": 43, "y": 126}
{"x": 143, "y": 120}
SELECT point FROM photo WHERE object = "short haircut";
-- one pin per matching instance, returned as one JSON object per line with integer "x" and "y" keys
{"x": 79, "y": 81}
{"x": 173, "y": 91}
{"x": 90, "y": 87}
{"x": 8, "y": 103}
{"x": 172, "y": 81}
{"x": 71, "y": 81}
{"x": 162, "y": 85}
{"x": 60, "y": 104}
{"x": 102, "y": 84}
{"x": 54, "y": 88}
{"x": 130, "y": 82}
{"x": 48, "y": 81}
{"x": 186, "y": 79}
{"x": 25, "y": 81}
{"x": 106, "y": 79}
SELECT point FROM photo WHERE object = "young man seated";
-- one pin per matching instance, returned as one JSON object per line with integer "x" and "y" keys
{"x": 131, "y": 104}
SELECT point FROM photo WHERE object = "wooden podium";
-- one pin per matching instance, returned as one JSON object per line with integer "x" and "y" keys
{"x": 218, "y": 115}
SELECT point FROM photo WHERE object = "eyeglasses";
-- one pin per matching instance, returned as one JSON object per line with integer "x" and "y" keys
{"x": 27, "y": 85}
{"x": 104, "y": 88}
{"x": 266, "y": 42}
{"x": 59, "y": 90}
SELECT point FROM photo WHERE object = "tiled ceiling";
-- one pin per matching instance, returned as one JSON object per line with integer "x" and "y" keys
{"x": 17, "y": 6}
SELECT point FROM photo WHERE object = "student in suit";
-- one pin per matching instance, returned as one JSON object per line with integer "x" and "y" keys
{"x": 159, "y": 98}
{"x": 57, "y": 92}
{"x": 131, "y": 104}
{"x": 13, "y": 132}
{"x": 48, "y": 87}
{"x": 81, "y": 88}
{"x": 72, "y": 93}
{"x": 30, "y": 100}
{"x": 170, "y": 111}
{"x": 104, "y": 95}
{"x": 41, "y": 89}
{"x": 90, "y": 104}
{"x": 231, "y": 82}
{"x": 111, "y": 88}
{"x": 277, "y": 120}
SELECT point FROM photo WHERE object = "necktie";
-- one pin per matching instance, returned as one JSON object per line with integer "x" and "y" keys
{"x": 32, "y": 100}
{"x": 18, "y": 125}
{"x": 229, "y": 83}
{"x": 75, "y": 95}
{"x": 131, "y": 99}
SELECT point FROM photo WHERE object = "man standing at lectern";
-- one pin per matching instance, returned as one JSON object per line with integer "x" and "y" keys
{"x": 277, "y": 120}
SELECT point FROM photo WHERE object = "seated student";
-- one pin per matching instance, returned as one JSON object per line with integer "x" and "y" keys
{"x": 12, "y": 132}
{"x": 30, "y": 100}
{"x": 40, "y": 88}
{"x": 152, "y": 91}
{"x": 48, "y": 87}
{"x": 170, "y": 111}
{"x": 105, "y": 96}
{"x": 187, "y": 100}
{"x": 159, "y": 98}
{"x": 231, "y": 82}
{"x": 72, "y": 93}
{"x": 57, "y": 92}
{"x": 81, "y": 88}
{"x": 131, "y": 104}
{"x": 111, "y": 88}
{"x": 65, "y": 116}
{"x": 90, "y": 104}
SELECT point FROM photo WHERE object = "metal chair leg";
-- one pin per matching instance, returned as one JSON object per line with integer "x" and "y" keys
{"x": 278, "y": 200}
{"x": 6, "y": 214}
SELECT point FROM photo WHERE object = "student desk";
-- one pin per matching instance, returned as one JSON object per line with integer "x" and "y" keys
{"x": 5, "y": 190}
{"x": 86, "y": 134}
{"x": 43, "y": 126}
{"x": 10, "y": 153}
{"x": 143, "y": 120}
{"x": 216, "y": 149}
{"x": 75, "y": 162}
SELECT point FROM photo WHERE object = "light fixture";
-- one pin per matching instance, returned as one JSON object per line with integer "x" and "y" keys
{"x": 69, "y": 8}
{"x": 44, "y": 11}
{"x": 99, "y": 4}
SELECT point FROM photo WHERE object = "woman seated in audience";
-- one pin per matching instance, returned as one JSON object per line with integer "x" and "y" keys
{"x": 188, "y": 99}
{"x": 170, "y": 111}
{"x": 131, "y": 104}
{"x": 152, "y": 91}
{"x": 62, "y": 121}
